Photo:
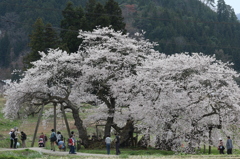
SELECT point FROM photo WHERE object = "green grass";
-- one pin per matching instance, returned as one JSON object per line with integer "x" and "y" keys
{"x": 6, "y": 124}
{"x": 20, "y": 154}
{"x": 129, "y": 151}
{"x": 29, "y": 154}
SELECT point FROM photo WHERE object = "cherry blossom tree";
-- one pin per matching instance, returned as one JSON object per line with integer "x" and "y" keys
{"x": 91, "y": 74}
{"x": 109, "y": 57}
{"x": 49, "y": 81}
{"x": 182, "y": 98}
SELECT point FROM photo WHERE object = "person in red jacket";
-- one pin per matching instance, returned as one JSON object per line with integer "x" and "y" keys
{"x": 71, "y": 144}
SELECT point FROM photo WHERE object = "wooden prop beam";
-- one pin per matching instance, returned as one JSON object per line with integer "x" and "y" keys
{"x": 55, "y": 116}
{"x": 36, "y": 129}
{"x": 65, "y": 118}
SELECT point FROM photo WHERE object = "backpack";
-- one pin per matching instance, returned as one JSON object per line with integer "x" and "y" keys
{"x": 53, "y": 137}
{"x": 13, "y": 135}
{"x": 24, "y": 136}
{"x": 70, "y": 141}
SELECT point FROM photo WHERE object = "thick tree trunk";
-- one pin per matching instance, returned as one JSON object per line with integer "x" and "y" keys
{"x": 111, "y": 110}
{"x": 127, "y": 134}
{"x": 79, "y": 124}
{"x": 108, "y": 126}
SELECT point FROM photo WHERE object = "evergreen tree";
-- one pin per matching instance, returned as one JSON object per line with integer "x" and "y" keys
{"x": 89, "y": 9}
{"x": 84, "y": 24}
{"x": 222, "y": 11}
{"x": 42, "y": 38}
{"x": 36, "y": 43}
{"x": 114, "y": 13}
{"x": 50, "y": 37}
{"x": 73, "y": 19}
{"x": 99, "y": 16}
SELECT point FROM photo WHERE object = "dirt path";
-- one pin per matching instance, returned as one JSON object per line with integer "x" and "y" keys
{"x": 101, "y": 156}
{"x": 59, "y": 153}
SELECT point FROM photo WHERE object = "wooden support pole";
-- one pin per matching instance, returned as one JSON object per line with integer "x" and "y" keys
{"x": 65, "y": 118}
{"x": 97, "y": 131}
{"x": 210, "y": 140}
{"x": 36, "y": 129}
{"x": 55, "y": 116}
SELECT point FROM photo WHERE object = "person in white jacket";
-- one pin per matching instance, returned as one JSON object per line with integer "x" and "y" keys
{"x": 108, "y": 141}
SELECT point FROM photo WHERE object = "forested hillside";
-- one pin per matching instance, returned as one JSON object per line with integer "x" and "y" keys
{"x": 177, "y": 25}
{"x": 16, "y": 21}
{"x": 190, "y": 26}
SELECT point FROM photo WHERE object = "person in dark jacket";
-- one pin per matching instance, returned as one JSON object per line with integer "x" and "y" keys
{"x": 53, "y": 139}
{"x": 229, "y": 145}
{"x": 221, "y": 147}
{"x": 23, "y": 139}
{"x": 11, "y": 139}
{"x": 117, "y": 141}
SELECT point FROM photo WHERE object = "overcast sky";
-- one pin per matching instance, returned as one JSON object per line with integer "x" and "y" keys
{"x": 235, "y": 5}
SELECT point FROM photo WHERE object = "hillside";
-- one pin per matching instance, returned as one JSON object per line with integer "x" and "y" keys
{"x": 178, "y": 26}
{"x": 190, "y": 26}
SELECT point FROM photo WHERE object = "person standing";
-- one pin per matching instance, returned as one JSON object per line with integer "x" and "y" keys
{"x": 74, "y": 138}
{"x": 117, "y": 141}
{"x": 59, "y": 136}
{"x": 229, "y": 145}
{"x": 23, "y": 138}
{"x": 11, "y": 139}
{"x": 73, "y": 135}
{"x": 221, "y": 147}
{"x": 71, "y": 144}
{"x": 15, "y": 138}
{"x": 53, "y": 139}
{"x": 108, "y": 143}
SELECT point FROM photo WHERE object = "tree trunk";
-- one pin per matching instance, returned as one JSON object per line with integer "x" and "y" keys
{"x": 166, "y": 142}
{"x": 55, "y": 116}
{"x": 78, "y": 123}
{"x": 81, "y": 130}
{"x": 127, "y": 134}
{"x": 108, "y": 126}
{"x": 111, "y": 110}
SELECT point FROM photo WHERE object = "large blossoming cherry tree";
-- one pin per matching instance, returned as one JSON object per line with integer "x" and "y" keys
{"x": 176, "y": 99}
{"x": 182, "y": 99}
